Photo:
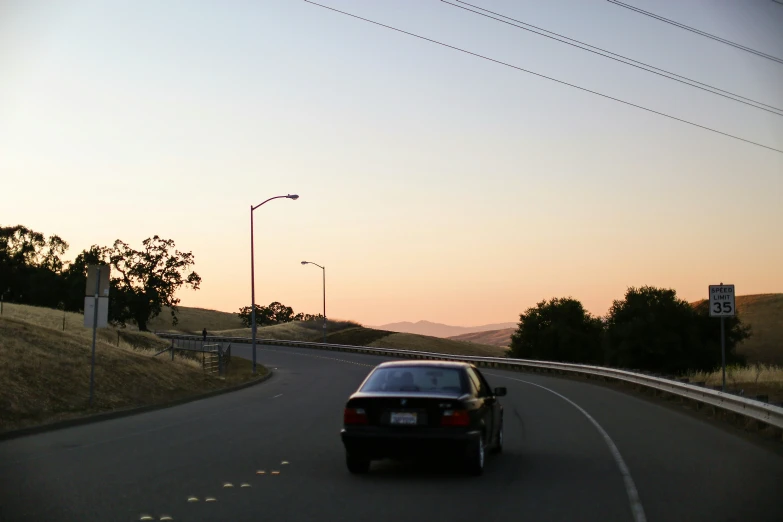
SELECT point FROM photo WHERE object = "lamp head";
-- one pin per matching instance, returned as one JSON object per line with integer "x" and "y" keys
{"x": 293, "y": 196}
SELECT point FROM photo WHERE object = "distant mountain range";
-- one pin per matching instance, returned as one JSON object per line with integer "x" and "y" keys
{"x": 440, "y": 330}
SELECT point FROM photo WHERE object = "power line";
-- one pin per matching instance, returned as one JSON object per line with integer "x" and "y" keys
{"x": 546, "y": 77}
{"x": 699, "y": 32}
{"x": 618, "y": 58}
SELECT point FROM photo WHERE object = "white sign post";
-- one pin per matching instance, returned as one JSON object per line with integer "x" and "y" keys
{"x": 96, "y": 309}
{"x": 722, "y": 305}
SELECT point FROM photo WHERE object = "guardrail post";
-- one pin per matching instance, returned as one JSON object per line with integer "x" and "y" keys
{"x": 220, "y": 360}
{"x": 172, "y": 349}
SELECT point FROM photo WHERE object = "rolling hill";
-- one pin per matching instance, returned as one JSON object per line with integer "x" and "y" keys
{"x": 45, "y": 369}
{"x": 764, "y": 314}
{"x": 192, "y": 320}
{"x": 438, "y": 329}
{"x": 492, "y": 337}
{"x": 345, "y": 332}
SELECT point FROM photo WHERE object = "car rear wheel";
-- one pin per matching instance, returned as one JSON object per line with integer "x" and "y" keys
{"x": 357, "y": 464}
{"x": 474, "y": 459}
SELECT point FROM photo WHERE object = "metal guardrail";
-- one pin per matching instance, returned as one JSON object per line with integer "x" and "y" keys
{"x": 759, "y": 411}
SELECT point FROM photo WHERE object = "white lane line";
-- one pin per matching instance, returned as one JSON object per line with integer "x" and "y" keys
{"x": 630, "y": 487}
{"x": 278, "y": 395}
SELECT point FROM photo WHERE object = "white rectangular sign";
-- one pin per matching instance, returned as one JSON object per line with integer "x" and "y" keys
{"x": 92, "y": 276}
{"x": 722, "y": 301}
{"x": 103, "y": 311}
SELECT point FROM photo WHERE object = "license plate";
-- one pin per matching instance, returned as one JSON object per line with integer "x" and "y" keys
{"x": 405, "y": 418}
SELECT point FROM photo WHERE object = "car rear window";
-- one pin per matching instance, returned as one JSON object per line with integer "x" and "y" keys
{"x": 416, "y": 379}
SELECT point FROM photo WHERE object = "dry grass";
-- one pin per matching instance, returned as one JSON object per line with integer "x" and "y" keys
{"x": 293, "y": 331}
{"x": 193, "y": 320}
{"x": 490, "y": 337}
{"x": 127, "y": 338}
{"x": 288, "y": 331}
{"x": 359, "y": 336}
{"x": 756, "y": 379}
{"x": 424, "y": 343}
{"x": 764, "y": 314}
{"x": 45, "y": 372}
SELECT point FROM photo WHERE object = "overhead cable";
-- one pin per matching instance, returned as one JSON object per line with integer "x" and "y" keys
{"x": 548, "y": 78}
{"x": 616, "y": 57}
{"x": 699, "y": 32}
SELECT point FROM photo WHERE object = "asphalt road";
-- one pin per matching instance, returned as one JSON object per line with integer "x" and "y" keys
{"x": 558, "y": 464}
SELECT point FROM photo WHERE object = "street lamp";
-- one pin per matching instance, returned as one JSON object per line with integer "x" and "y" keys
{"x": 324, "y": 273}
{"x": 253, "y": 274}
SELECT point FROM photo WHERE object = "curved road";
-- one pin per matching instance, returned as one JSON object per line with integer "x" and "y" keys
{"x": 558, "y": 463}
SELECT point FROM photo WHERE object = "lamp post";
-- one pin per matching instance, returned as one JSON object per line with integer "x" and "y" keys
{"x": 324, "y": 274}
{"x": 253, "y": 273}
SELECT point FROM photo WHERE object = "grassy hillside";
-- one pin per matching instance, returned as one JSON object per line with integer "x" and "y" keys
{"x": 293, "y": 331}
{"x": 73, "y": 324}
{"x": 45, "y": 371}
{"x": 438, "y": 329}
{"x": 346, "y": 332}
{"x": 490, "y": 337}
{"x": 193, "y": 320}
{"x": 424, "y": 343}
{"x": 764, "y": 314}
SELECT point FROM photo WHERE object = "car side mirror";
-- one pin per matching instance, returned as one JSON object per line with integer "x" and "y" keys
{"x": 500, "y": 392}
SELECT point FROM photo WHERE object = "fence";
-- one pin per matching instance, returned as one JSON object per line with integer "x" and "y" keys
{"x": 765, "y": 413}
{"x": 214, "y": 359}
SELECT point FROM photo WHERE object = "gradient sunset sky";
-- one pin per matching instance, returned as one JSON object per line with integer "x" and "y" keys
{"x": 433, "y": 185}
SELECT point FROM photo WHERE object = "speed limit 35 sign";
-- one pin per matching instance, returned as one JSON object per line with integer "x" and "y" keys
{"x": 722, "y": 301}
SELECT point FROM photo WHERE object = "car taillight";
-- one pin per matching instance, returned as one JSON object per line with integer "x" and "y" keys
{"x": 455, "y": 418}
{"x": 354, "y": 416}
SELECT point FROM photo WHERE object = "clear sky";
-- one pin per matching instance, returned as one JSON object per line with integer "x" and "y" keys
{"x": 434, "y": 185}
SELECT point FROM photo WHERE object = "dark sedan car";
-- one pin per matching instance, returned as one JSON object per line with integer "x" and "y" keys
{"x": 408, "y": 409}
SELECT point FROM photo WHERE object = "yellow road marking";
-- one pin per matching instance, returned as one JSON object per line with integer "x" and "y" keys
{"x": 228, "y": 485}
{"x": 192, "y": 499}
{"x": 275, "y": 473}
{"x": 284, "y": 463}
{"x": 166, "y": 517}
{"x": 260, "y": 472}
{"x": 210, "y": 499}
{"x": 146, "y": 517}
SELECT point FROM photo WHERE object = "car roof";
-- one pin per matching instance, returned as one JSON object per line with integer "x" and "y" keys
{"x": 435, "y": 364}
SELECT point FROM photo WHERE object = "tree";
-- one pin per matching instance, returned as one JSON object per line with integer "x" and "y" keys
{"x": 558, "y": 330}
{"x": 31, "y": 265}
{"x": 275, "y": 313}
{"x": 147, "y": 279}
{"x": 653, "y": 330}
{"x": 263, "y": 316}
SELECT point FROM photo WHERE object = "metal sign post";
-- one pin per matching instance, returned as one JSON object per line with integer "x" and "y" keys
{"x": 98, "y": 281}
{"x": 722, "y": 305}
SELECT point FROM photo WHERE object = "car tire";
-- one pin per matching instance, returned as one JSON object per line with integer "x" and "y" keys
{"x": 357, "y": 464}
{"x": 475, "y": 456}
{"x": 499, "y": 440}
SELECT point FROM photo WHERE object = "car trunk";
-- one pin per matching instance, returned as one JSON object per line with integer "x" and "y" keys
{"x": 404, "y": 411}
